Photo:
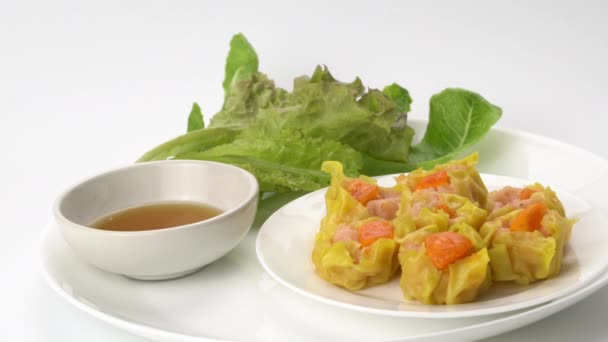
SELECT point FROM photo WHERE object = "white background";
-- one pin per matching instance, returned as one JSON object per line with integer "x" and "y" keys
{"x": 87, "y": 86}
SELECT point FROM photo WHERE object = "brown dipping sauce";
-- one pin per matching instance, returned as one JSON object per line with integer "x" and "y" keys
{"x": 156, "y": 216}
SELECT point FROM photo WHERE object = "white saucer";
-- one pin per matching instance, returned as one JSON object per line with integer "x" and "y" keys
{"x": 234, "y": 299}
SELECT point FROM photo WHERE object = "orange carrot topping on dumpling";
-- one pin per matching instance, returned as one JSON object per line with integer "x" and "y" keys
{"x": 433, "y": 181}
{"x": 529, "y": 219}
{"x": 445, "y": 248}
{"x": 526, "y": 193}
{"x": 362, "y": 191}
{"x": 372, "y": 231}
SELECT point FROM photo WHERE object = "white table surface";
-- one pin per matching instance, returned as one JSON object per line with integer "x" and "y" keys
{"x": 87, "y": 86}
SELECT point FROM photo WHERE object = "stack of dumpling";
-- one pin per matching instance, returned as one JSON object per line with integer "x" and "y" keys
{"x": 441, "y": 228}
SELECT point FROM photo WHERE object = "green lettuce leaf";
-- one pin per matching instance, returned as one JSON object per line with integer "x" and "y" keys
{"x": 245, "y": 98}
{"x": 242, "y": 61}
{"x": 400, "y": 95}
{"x": 283, "y": 137}
{"x": 271, "y": 176}
{"x": 458, "y": 119}
{"x": 294, "y": 156}
{"x": 320, "y": 106}
{"x": 377, "y": 167}
{"x": 194, "y": 141}
{"x": 385, "y": 143}
{"x": 195, "y": 119}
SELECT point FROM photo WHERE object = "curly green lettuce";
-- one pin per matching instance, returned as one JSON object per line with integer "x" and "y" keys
{"x": 283, "y": 137}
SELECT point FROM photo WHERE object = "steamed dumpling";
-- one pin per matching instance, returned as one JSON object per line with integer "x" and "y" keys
{"x": 444, "y": 267}
{"x": 526, "y": 245}
{"x": 430, "y": 207}
{"x": 353, "y": 247}
{"x": 442, "y": 229}
{"x": 341, "y": 207}
{"x": 509, "y": 198}
{"x": 456, "y": 177}
{"x": 357, "y": 255}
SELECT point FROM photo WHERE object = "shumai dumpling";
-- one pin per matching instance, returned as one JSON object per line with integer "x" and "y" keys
{"x": 507, "y": 199}
{"x": 351, "y": 199}
{"x": 429, "y": 207}
{"x": 341, "y": 207}
{"x": 455, "y": 177}
{"x": 526, "y": 245}
{"x": 354, "y": 248}
{"x": 449, "y": 267}
{"x": 357, "y": 255}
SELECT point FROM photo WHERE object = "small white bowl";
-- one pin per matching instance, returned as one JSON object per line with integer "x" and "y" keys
{"x": 162, "y": 253}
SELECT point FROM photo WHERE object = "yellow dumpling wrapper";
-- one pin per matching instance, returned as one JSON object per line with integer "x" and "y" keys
{"x": 337, "y": 264}
{"x": 466, "y": 211}
{"x": 525, "y": 257}
{"x": 408, "y": 221}
{"x": 460, "y": 282}
{"x": 464, "y": 178}
{"x": 462, "y": 206}
{"x": 430, "y": 212}
{"x": 340, "y": 206}
{"x": 542, "y": 194}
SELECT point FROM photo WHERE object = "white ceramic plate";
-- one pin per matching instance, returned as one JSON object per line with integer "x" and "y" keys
{"x": 285, "y": 242}
{"x": 234, "y": 299}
